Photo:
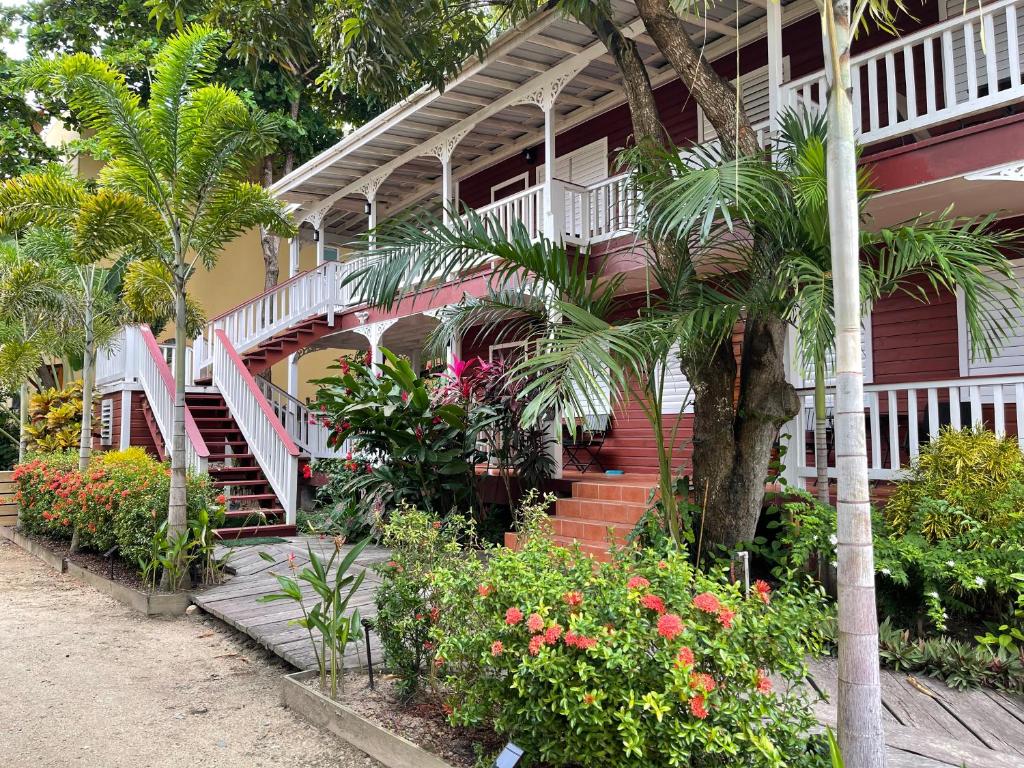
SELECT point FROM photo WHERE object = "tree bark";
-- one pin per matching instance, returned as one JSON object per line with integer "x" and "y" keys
{"x": 177, "y": 516}
{"x": 88, "y": 365}
{"x": 270, "y": 242}
{"x": 861, "y": 740}
{"x": 716, "y": 96}
{"x": 22, "y": 421}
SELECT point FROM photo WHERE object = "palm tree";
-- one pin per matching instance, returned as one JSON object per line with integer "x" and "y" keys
{"x": 945, "y": 252}
{"x": 176, "y": 187}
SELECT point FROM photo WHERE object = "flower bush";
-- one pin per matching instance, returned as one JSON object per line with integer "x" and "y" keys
{"x": 642, "y": 661}
{"x": 423, "y": 442}
{"x": 121, "y": 498}
{"x": 338, "y": 511}
{"x": 406, "y": 603}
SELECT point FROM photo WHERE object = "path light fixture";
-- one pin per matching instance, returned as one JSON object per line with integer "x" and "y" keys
{"x": 509, "y": 757}
{"x": 367, "y": 626}
{"x": 109, "y": 555}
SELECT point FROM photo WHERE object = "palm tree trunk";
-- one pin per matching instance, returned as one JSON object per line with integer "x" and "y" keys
{"x": 176, "y": 511}
{"x": 22, "y": 421}
{"x": 861, "y": 740}
{"x": 820, "y": 433}
{"x": 88, "y": 367}
{"x": 270, "y": 243}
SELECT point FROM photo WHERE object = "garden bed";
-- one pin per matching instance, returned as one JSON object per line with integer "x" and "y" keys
{"x": 412, "y": 735}
{"x": 95, "y": 570}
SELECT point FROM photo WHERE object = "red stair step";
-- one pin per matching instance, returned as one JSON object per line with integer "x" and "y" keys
{"x": 252, "y": 531}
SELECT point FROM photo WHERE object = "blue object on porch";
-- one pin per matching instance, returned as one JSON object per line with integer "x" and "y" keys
{"x": 614, "y": 472}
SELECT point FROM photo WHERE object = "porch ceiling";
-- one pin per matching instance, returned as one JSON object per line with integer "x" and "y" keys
{"x": 487, "y": 102}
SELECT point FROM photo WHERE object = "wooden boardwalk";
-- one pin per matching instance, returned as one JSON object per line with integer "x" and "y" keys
{"x": 271, "y": 624}
{"x": 927, "y": 725}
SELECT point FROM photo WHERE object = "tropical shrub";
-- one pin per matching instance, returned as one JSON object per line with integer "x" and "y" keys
{"x": 422, "y": 440}
{"x": 338, "y": 511}
{"x": 55, "y": 419}
{"x": 406, "y": 605}
{"x": 642, "y": 661}
{"x": 120, "y": 499}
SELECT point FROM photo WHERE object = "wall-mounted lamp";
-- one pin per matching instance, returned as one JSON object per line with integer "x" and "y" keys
{"x": 316, "y": 234}
{"x": 530, "y": 155}
{"x": 367, "y": 207}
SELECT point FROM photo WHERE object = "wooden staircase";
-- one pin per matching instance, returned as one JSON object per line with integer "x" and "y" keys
{"x": 253, "y": 508}
{"x": 266, "y": 354}
{"x": 598, "y": 512}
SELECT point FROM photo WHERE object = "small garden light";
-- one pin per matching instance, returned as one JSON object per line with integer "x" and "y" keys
{"x": 109, "y": 555}
{"x": 367, "y": 626}
{"x": 509, "y": 757}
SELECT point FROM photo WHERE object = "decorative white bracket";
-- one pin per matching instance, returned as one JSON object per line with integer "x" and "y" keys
{"x": 547, "y": 90}
{"x": 368, "y": 188}
{"x": 373, "y": 332}
{"x": 1012, "y": 172}
{"x": 445, "y": 147}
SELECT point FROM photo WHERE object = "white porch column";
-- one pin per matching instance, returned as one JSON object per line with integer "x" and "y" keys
{"x": 321, "y": 242}
{"x": 293, "y": 360}
{"x": 551, "y": 230}
{"x": 443, "y": 151}
{"x": 126, "y": 419}
{"x": 775, "y": 73}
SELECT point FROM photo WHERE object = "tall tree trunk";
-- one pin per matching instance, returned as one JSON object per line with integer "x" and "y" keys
{"x": 22, "y": 421}
{"x": 177, "y": 519}
{"x": 859, "y": 702}
{"x": 821, "y": 433}
{"x": 270, "y": 242}
{"x": 716, "y": 96}
{"x": 88, "y": 368}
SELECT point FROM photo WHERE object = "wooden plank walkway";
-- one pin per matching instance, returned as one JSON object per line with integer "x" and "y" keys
{"x": 271, "y": 624}
{"x": 927, "y": 725}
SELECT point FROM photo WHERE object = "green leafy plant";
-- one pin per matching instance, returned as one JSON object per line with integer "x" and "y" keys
{"x": 328, "y": 617}
{"x": 338, "y": 511}
{"x": 424, "y": 442}
{"x": 55, "y": 415}
{"x": 642, "y": 661}
{"x": 407, "y": 609}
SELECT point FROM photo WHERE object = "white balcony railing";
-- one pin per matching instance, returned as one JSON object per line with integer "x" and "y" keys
{"x": 275, "y": 452}
{"x": 899, "y": 418}
{"x": 963, "y": 66}
{"x": 304, "y": 425}
{"x": 526, "y": 207}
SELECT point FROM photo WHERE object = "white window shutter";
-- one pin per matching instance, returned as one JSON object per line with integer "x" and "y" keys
{"x": 1009, "y": 358}
{"x": 677, "y": 396}
{"x": 753, "y": 95}
{"x": 584, "y": 166}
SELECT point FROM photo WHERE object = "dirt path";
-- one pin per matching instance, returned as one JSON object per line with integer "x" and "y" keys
{"x": 84, "y": 681}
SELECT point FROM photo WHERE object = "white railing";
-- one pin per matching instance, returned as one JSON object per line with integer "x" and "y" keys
{"x": 526, "y": 207}
{"x": 602, "y": 210}
{"x": 306, "y": 295}
{"x": 157, "y": 382}
{"x": 304, "y": 425}
{"x": 962, "y": 66}
{"x": 168, "y": 351}
{"x": 114, "y": 361}
{"x": 899, "y": 418}
{"x": 274, "y": 450}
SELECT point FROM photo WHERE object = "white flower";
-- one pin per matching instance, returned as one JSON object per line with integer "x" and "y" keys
{"x": 886, "y": 572}
{"x": 979, "y": 581}
{"x": 833, "y": 539}
{"x": 950, "y": 563}
{"x": 934, "y": 594}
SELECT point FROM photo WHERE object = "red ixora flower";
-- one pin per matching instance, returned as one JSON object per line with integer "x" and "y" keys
{"x": 484, "y": 590}
{"x": 497, "y": 648}
{"x": 764, "y": 683}
{"x": 702, "y": 681}
{"x": 706, "y": 602}
{"x": 513, "y": 616}
{"x": 535, "y": 623}
{"x": 307, "y": 471}
{"x": 221, "y": 498}
{"x": 573, "y": 598}
{"x": 685, "y": 657}
{"x": 669, "y": 625}
{"x": 437, "y": 525}
{"x": 763, "y": 591}
{"x": 552, "y": 634}
{"x": 653, "y": 603}
{"x": 725, "y": 617}
{"x": 697, "y": 708}
{"x": 638, "y": 582}
{"x": 582, "y": 642}
{"x": 588, "y": 699}
{"x": 536, "y": 643}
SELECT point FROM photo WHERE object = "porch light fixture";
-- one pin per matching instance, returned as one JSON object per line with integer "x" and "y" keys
{"x": 529, "y": 155}
{"x": 316, "y": 234}
{"x": 367, "y": 207}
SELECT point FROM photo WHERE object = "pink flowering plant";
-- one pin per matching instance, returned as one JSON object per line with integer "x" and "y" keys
{"x": 642, "y": 661}
{"x": 423, "y": 437}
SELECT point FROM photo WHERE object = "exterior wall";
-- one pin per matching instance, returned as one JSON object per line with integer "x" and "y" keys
{"x": 914, "y": 341}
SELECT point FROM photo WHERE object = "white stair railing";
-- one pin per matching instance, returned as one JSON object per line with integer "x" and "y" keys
{"x": 965, "y": 65}
{"x": 269, "y": 442}
{"x": 899, "y": 418}
{"x": 157, "y": 382}
{"x": 305, "y": 425}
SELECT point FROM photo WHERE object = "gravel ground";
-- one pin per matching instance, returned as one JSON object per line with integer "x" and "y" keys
{"x": 84, "y": 681}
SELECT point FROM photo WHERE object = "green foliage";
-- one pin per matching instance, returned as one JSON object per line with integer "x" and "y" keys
{"x": 175, "y": 560}
{"x": 976, "y": 476}
{"x": 328, "y": 618}
{"x": 638, "y": 662}
{"x": 338, "y": 511}
{"x": 424, "y": 440}
{"x": 406, "y": 603}
{"x": 54, "y": 419}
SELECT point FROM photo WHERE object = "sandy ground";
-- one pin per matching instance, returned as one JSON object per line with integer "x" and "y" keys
{"x": 84, "y": 681}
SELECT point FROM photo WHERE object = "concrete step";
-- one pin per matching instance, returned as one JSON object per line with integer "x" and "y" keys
{"x": 616, "y": 512}
{"x": 252, "y": 531}
{"x": 631, "y": 491}
{"x": 597, "y": 532}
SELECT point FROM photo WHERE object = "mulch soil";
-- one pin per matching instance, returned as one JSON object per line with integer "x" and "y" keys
{"x": 420, "y": 719}
{"x": 123, "y": 572}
